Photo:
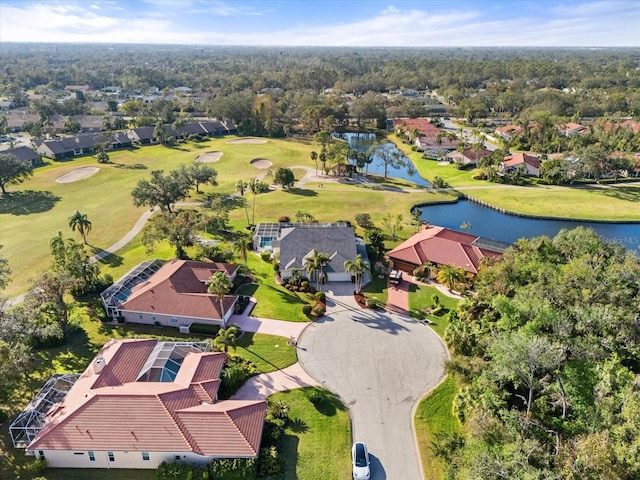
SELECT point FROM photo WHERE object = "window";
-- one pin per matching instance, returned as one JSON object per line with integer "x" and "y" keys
{"x": 140, "y": 316}
{"x": 145, "y": 456}
{"x": 41, "y": 454}
{"x": 177, "y": 457}
{"x": 92, "y": 457}
{"x": 112, "y": 458}
{"x": 78, "y": 453}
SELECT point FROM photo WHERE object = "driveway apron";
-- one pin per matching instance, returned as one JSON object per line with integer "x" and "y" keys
{"x": 380, "y": 364}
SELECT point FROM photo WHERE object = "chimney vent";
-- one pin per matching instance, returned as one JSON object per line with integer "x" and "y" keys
{"x": 99, "y": 364}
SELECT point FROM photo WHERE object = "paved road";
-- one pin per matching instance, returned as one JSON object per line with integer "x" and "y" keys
{"x": 380, "y": 364}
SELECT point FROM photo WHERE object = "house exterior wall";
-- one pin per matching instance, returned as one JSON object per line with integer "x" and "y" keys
{"x": 169, "y": 320}
{"x": 130, "y": 459}
{"x": 338, "y": 277}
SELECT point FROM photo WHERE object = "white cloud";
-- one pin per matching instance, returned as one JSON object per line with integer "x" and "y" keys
{"x": 596, "y": 23}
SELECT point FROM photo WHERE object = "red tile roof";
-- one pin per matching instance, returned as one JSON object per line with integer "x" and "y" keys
{"x": 520, "y": 158}
{"x": 442, "y": 246}
{"x": 110, "y": 410}
{"x": 421, "y": 124}
{"x": 179, "y": 288}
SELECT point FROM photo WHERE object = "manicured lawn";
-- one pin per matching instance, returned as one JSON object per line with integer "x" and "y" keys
{"x": 434, "y": 416}
{"x": 317, "y": 441}
{"x": 421, "y": 297}
{"x": 267, "y": 352}
{"x": 273, "y": 301}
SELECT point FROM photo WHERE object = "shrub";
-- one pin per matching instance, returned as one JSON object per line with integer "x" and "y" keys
{"x": 233, "y": 469}
{"x": 422, "y": 272}
{"x": 306, "y": 309}
{"x": 269, "y": 462}
{"x": 436, "y": 299}
{"x": 284, "y": 219}
{"x": 363, "y": 220}
{"x": 235, "y": 372}
{"x": 265, "y": 255}
{"x": 375, "y": 304}
{"x": 304, "y": 286}
{"x": 204, "y": 329}
{"x": 320, "y": 296}
{"x": 315, "y": 396}
{"x": 319, "y": 310}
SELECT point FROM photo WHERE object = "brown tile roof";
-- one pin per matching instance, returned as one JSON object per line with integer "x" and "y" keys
{"x": 520, "y": 158}
{"x": 442, "y": 246}
{"x": 179, "y": 288}
{"x": 423, "y": 125}
{"x": 176, "y": 416}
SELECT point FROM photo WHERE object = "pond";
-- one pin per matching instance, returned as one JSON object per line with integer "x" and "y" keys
{"x": 489, "y": 223}
{"x": 363, "y": 141}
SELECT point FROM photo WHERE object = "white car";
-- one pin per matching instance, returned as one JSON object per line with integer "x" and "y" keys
{"x": 360, "y": 461}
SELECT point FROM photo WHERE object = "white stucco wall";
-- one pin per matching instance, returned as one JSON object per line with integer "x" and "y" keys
{"x": 131, "y": 459}
{"x": 170, "y": 320}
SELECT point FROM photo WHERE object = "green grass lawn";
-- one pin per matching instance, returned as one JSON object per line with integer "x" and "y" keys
{"x": 434, "y": 416}
{"x": 317, "y": 441}
{"x": 273, "y": 301}
{"x": 267, "y": 352}
{"x": 421, "y": 297}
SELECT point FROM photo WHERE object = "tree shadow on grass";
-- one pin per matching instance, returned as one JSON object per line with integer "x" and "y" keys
{"x": 297, "y": 425}
{"x": 325, "y": 402}
{"x": 27, "y": 202}
{"x": 302, "y": 192}
{"x": 112, "y": 259}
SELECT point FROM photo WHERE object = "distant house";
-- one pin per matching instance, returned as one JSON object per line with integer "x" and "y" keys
{"x": 139, "y": 403}
{"x": 142, "y": 135}
{"x": 24, "y": 154}
{"x": 6, "y": 105}
{"x": 77, "y": 88}
{"x": 509, "y": 132}
{"x": 521, "y": 160}
{"x": 83, "y": 144}
{"x": 422, "y": 125}
{"x": 172, "y": 294}
{"x": 468, "y": 156}
{"x": 442, "y": 246}
{"x": 295, "y": 243}
{"x": 570, "y": 128}
{"x": 435, "y": 145}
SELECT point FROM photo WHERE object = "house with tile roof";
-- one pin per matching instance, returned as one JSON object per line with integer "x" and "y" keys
{"x": 468, "y": 156}
{"x": 509, "y": 132}
{"x": 172, "y": 294}
{"x": 296, "y": 242}
{"x": 571, "y": 128}
{"x": 442, "y": 246}
{"x": 521, "y": 160}
{"x": 141, "y": 402}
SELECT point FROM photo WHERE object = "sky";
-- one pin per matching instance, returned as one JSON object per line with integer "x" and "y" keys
{"x": 357, "y": 23}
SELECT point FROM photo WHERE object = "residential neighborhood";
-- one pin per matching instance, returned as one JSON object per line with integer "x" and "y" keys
{"x": 256, "y": 242}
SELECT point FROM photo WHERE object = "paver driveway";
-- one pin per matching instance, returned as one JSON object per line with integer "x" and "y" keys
{"x": 380, "y": 364}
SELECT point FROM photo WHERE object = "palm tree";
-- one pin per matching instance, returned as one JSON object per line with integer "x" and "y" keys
{"x": 315, "y": 265}
{"x": 253, "y": 186}
{"x": 159, "y": 133}
{"x": 241, "y": 246}
{"x": 226, "y": 338}
{"x": 81, "y": 222}
{"x": 219, "y": 285}
{"x": 450, "y": 276}
{"x": 357, "y": 268}
{"x": 314, "y": 158}
{"x": 179, "y": 125}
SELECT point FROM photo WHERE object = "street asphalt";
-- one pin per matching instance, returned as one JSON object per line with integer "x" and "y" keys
{"x": 380, "y": 364}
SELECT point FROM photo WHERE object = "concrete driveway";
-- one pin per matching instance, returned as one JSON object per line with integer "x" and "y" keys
{"x": 380, "y": 364}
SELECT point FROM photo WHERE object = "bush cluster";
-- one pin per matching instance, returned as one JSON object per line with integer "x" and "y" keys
{"x": 235, "y": 372}
{"x": 204, "y": 329}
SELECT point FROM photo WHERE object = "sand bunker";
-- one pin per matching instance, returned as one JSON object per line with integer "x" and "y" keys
{"x": 444, "y": 163}
{"x": 208, "y": 157}
{"x": 260, "y": 163}
{"x": 246, "y": 140}
{"x": 77, "y": 174}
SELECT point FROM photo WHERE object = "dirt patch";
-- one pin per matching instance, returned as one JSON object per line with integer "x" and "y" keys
{"x": 209, "y": 157}
{"x": 77, "y": 174}
{"x": 261, "y": 163}
{"x": 245, "y": 140}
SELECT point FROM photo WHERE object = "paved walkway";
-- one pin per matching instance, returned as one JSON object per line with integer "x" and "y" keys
{"x": 398, "y": 296}
{"x": 265, "y": 384}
